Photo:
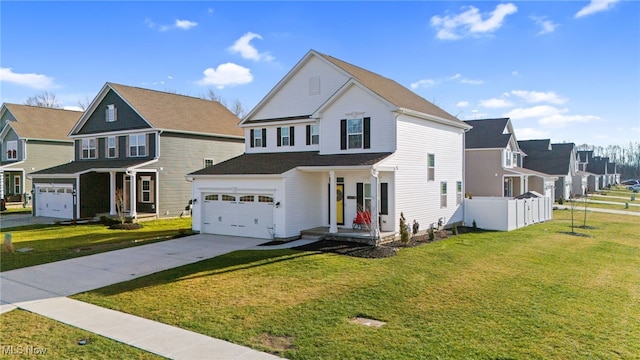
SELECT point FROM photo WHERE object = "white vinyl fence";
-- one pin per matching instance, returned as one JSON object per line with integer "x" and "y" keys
{"x": 506, "y": 214}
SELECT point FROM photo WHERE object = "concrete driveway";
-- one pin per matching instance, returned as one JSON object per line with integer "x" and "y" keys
{"x": 12, "y": 220}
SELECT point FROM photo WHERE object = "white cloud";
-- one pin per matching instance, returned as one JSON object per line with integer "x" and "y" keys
{"x": 538, "y": 96}
{"x": 185, "y": 24}
{"x": 74, "y": 108}
{"x": 547, "y": 26}
{"x": 595, "y": 6}
{"x": 425, "y": 83}
{"x": 560, "y": 120}
{"x": 178, "y": 24}
{"x": 531, "y": 133}
{"x": 539, "y": 111}
{"x": 470, "y": 22}
{"x": 472, "y": 82}
{"x": 227, "y": 74}
{"x": 36, "y": 81}
{"x": 247, "y": 50}
{"x": 462, "y": 104}
{"x": 495, "y": 103}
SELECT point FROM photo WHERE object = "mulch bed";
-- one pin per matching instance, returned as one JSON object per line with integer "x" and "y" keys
{"x": 373, "y": 252}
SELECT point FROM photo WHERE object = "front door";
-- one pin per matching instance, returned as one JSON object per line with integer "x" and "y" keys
{"x": 339, "y": 204}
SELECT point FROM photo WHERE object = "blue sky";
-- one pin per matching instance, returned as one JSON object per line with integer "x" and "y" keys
{"x": 565, "y": 70}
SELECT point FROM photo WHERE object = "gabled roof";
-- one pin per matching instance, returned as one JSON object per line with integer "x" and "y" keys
{"x": 487, "y": 134}
{"x": 172, "y": 112}
{"x": 35, "y": 122}
{"x": 556, "y": 161}
{"x": 281, "y": 162}
{"x": 387, "y": 89}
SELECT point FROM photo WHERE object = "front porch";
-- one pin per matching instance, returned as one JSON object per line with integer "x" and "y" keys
{"x": 347, "y": 234}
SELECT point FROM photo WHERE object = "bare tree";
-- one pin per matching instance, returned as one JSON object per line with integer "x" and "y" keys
{"x": 84, "y": 104}
{"x": 237, "y": 109}
{"x": 43, "y": 99}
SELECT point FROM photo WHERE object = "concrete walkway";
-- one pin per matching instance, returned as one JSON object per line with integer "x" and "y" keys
{"x": 610, "y": 211}
{"x": 42, "y": 289}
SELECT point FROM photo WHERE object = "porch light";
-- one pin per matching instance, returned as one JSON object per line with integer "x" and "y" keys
{"x": 278, "y": 204}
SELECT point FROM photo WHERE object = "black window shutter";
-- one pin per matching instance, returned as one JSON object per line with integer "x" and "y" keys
{"x": 291, "y": 135}
{"x": 343, "y": 134}
{"x": 384, "y": 198}
{"x": 279, "y": 134}
{"x": 360, "y": 196}
{"x": 264, "y": 137}
{"x": 251, "y": 136}
{"x": 308, "y": 134}
{"x": 367, "y": 133}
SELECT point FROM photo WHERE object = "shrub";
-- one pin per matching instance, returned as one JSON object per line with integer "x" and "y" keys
{"x": 432, "y": 235}
{"x": 404, "y": 230}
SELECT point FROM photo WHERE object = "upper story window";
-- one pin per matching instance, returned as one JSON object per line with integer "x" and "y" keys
{"x": 88, "y": 149}
{"x": 285, "y": 136}
{"x": 112, "y": 147}
{"x": 314, "y": 85}
{"x": 355, "y": 133}
{"x": 431, "y": 167}
{"x": 313, "y": 134}
{"x": 208, "y": 162}
{"x": 111, "y": 114}
{"x": 258, "y": 137}
{"x": 12, "y": 150}
{"x": 137, "y": 145}
{"x": 507, "y": 158}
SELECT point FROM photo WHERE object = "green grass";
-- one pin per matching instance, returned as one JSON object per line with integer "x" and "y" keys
{"x": 534, "y": 293}
{"x": 60, "y": 242}
{"x": 18, "y": 210}
{"x": 31, "y": 336}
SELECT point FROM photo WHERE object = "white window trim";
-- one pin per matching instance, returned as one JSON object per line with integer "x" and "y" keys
{"x": 458, "y": 192}
{"x": 360, "y": 134}
{"x": 144, "y": 179}
{"x": 115, "y": 147}
{"x": 431, "y": 169}
{"x": 443, "y": 195}
{"x": 204, "y": 162}
{"x": 11, "y": 146}
{"x": 284, "y": 136}
{"x": 137, "y": 146}
{"x": 89, "y": 148}
{"x": 111, "y": 115}
{"x": 257, "y": 136}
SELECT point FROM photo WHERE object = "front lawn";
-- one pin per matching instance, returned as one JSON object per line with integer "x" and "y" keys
{"x": 59, "y": 242}
{"x": 534, "y": 293}
{"x": 30, "y": 336}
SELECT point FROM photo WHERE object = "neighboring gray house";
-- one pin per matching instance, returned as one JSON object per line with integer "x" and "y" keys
{"x": 32, "y": 138}
{"x": 493, "y": 162}
{"x": 558, "y": 160}
{"x": 141, "y": 142}
{"x": 605, "y": 170}
{"x": 585, "y": 161}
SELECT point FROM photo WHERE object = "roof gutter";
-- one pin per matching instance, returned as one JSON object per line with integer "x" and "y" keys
{"x": 421, "y": 115}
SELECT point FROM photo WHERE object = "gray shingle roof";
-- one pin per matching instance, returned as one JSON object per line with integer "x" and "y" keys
{"x": 281, "y": 162}
{"x": 556, "y": 161}
{"x": 76, "y": 167}
{"x": 487, "y": 134}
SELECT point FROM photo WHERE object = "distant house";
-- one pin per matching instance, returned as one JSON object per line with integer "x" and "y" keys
{"x": 493, "y": 162}
{"x": 605, "y": 172}
{"x": 141, "y": 142}
{"x": 584, "y": 158}
{"x": 558, "y": 160}
{"x": 32, "y": 138}
{"x": 328, "y": 140}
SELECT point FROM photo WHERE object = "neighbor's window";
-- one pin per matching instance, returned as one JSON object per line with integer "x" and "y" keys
{"x": 431, "y": 167}
{"x": 88, "y": 148}
{"x": 137, "y": 145}
{"x": 315, "y": 134}
{"x": 284, "y": 136}
{"x": 111, "y": 114}
{"x": 443, "y": 194}
{"x": 507, "y": 158}
{"x": 354, "y": 133}
{"x": 12, "y": 150}
{"x": 458, "y": 192}
{"x": 208, "y": 162}
{"x": 257, "y": 138}
{"x": 112, "y": 147}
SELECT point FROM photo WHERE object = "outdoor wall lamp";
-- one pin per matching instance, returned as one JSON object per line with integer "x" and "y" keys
{"x": 278, "y": 204}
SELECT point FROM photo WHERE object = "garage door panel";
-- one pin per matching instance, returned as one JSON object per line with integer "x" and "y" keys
{"x": 237, "y": 215}
{"x": 54, "y": 202}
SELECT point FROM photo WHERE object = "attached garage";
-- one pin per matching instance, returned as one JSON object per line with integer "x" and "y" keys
{"x": 54, "y": 201}
{"x": 247, "y": 215}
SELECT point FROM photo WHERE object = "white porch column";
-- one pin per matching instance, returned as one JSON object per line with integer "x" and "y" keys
{"x": 112, "y": 193}
{"x": 375, "y": 195}
{"x": 133, "y": 197}
{"x": 1, "y": 184}
{"x": 333, "y": 222}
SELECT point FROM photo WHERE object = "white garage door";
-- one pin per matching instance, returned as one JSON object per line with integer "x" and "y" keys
{"x": 54, "y": 201}
{"x": 248, "y": 215}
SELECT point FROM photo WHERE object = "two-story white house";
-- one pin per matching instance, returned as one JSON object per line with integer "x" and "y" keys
{"x": 331, "y": 138}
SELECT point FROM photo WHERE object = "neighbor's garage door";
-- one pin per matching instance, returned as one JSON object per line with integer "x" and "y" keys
{"x": 248, "y": 215}
{"x": 54, "y": 201}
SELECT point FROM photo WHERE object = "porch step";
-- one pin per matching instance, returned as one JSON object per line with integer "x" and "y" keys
{"x": 311, "y": 237}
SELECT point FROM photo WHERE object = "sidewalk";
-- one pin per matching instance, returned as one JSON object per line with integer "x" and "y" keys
{"x": 610, "y": 211}
{"x": 42, "y": 289}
